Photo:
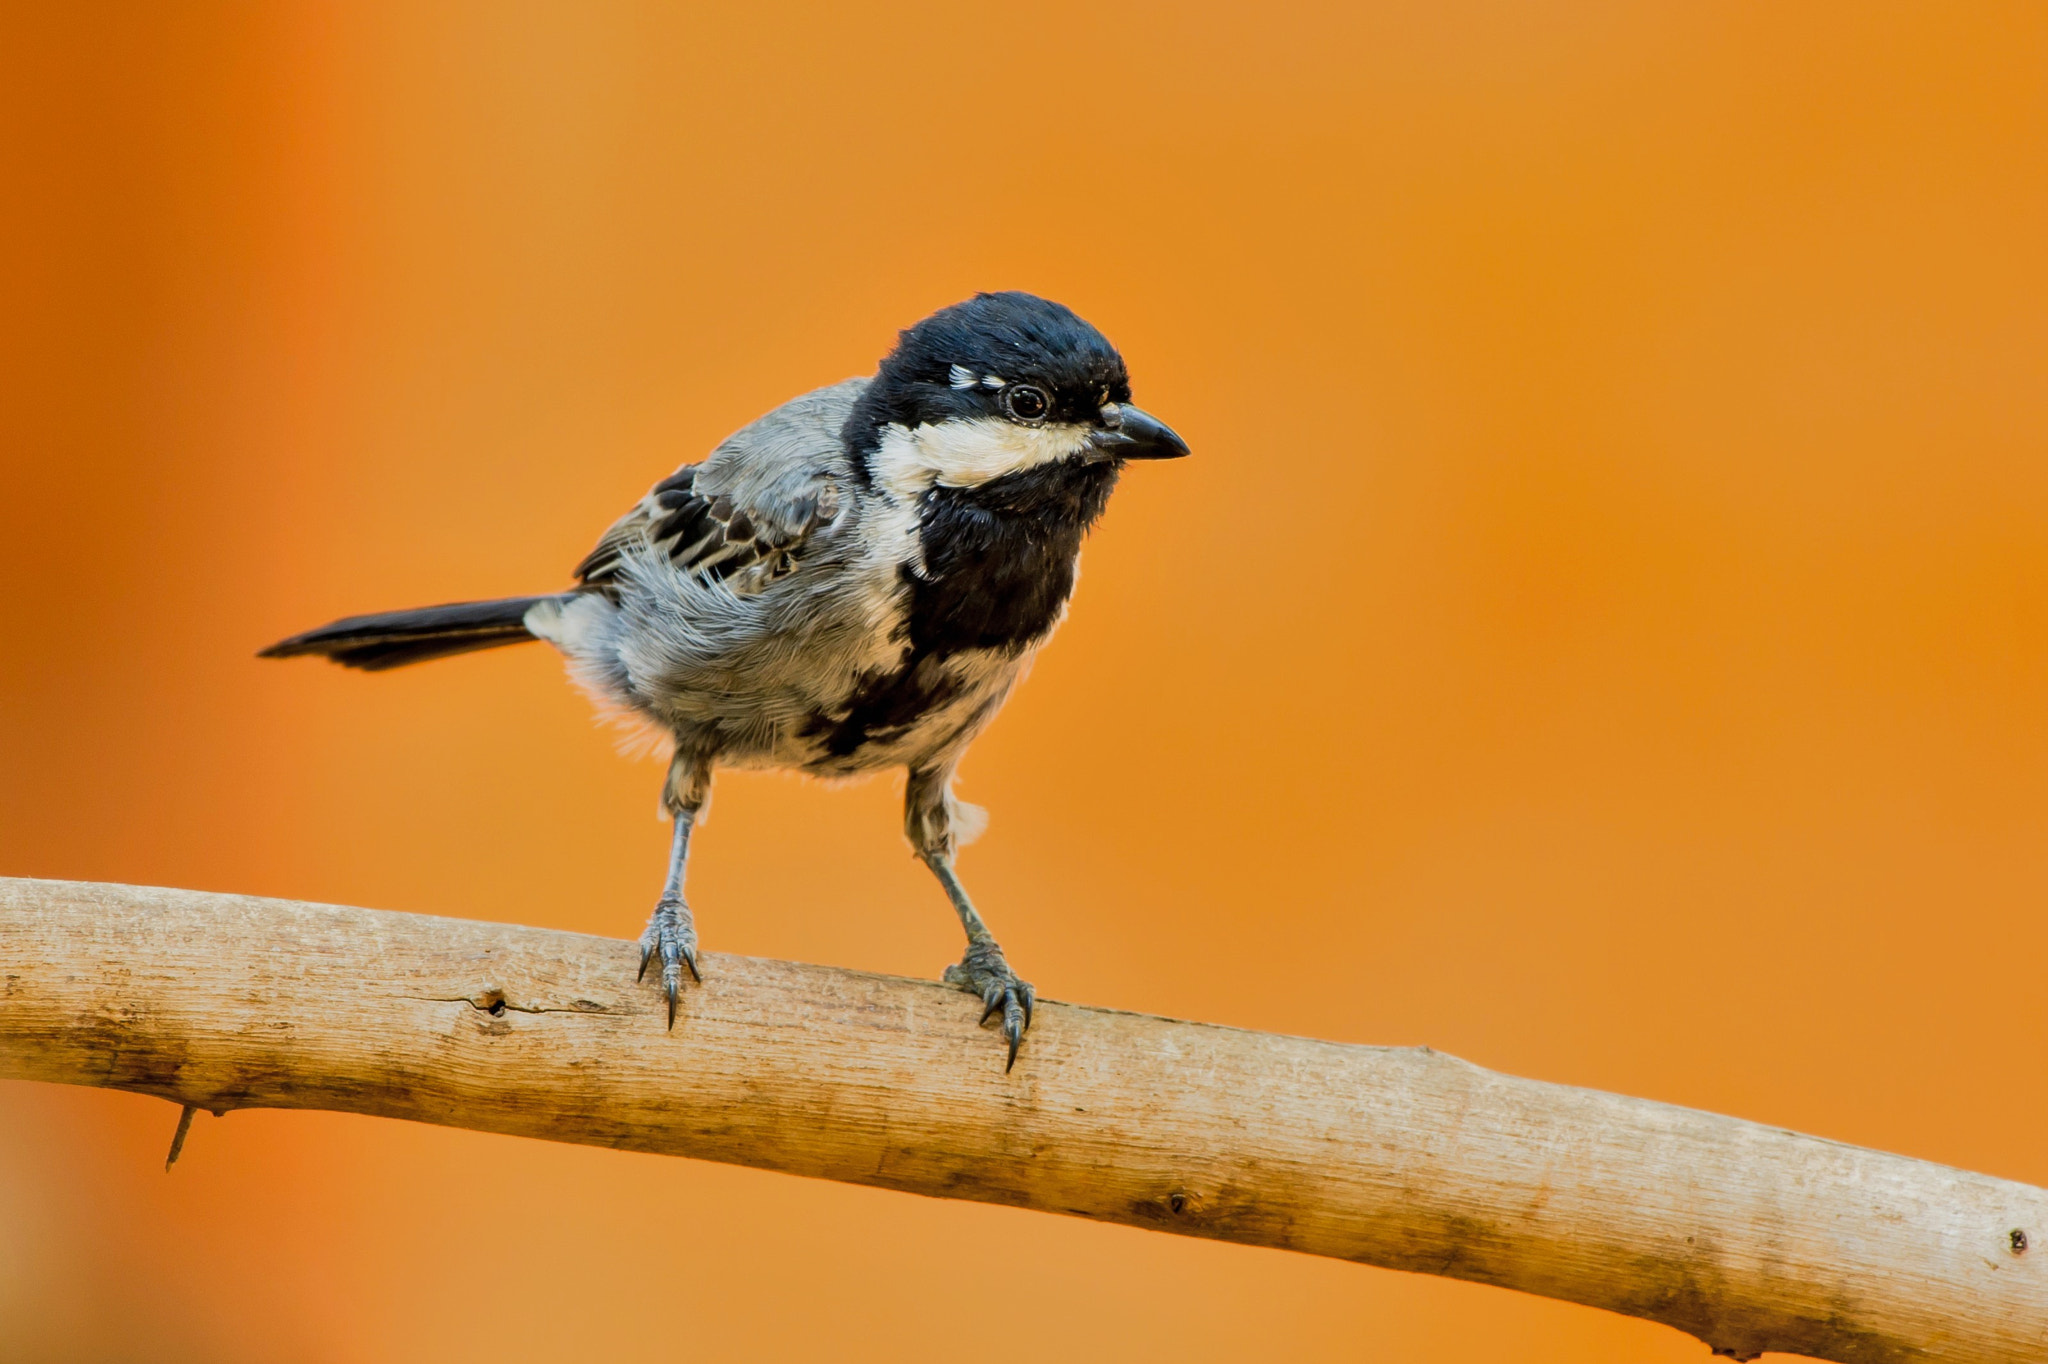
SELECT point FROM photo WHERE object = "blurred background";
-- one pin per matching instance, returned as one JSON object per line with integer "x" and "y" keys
{"x": 1603, "y": 632}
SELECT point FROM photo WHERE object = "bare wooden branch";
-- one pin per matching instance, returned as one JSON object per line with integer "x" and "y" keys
{"x": 1749, "y": 1237}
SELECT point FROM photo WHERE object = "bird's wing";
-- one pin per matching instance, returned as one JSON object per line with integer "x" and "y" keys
{"x": 747, "y": 513}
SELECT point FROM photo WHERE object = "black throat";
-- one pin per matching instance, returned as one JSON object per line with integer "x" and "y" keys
{"x": 999, "y": 565}
{"x": 999, "y": 559}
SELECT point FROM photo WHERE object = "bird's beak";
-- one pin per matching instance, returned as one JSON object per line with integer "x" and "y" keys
{"x": 1129, "y": 432}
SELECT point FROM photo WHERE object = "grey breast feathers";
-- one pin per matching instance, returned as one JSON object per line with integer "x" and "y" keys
{"x": 746, "y": 514}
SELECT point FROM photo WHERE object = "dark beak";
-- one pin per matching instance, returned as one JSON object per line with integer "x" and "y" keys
{"x": 1132, "y": 433}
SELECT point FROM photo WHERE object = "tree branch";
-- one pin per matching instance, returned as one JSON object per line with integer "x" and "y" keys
{"x": 1749, "y": 1237}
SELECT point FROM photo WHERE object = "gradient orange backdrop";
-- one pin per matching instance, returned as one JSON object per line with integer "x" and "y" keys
{"x": 1603, "y": 632}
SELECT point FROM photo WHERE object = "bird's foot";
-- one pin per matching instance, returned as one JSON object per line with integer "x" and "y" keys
{"x": 985, "y": 973}
{"x": 671, "y": 937}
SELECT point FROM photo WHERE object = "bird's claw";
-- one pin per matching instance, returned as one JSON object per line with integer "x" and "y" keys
{"x": 984, "y": 972}
{"x": 672, "y": 936}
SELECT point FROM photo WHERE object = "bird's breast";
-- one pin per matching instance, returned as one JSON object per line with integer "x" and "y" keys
{"x": 997, "y": 562}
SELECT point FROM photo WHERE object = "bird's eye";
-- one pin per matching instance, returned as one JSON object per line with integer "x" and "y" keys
{"x": 1027, "y": 404}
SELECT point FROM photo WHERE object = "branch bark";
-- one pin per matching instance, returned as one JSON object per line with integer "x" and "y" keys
{"x": 1749, "y": 1237}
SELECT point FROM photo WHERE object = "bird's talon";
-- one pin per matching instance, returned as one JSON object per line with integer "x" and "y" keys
{"x": 985, "y": 973}
{"x": 672, "y": 937}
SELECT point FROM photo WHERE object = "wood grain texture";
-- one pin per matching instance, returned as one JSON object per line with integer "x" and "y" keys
{"x": 1749, "y": 1237}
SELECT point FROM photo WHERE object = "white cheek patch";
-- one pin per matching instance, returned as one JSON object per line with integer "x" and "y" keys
{"x": 969, "y": 452}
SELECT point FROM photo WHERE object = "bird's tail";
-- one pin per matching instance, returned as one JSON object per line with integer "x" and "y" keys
{"x": 392, "y": 639}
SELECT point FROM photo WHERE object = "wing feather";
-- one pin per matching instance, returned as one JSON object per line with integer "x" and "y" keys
{"x": 747, "y": 514}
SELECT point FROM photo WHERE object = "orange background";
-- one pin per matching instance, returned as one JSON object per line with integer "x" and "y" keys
{"x": 1603, "y": 632}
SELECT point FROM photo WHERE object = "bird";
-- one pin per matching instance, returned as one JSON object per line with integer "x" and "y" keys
{"x": 853, "y": 583}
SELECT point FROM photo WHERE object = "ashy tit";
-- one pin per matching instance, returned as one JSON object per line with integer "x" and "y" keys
{"x": 854, "y": 582}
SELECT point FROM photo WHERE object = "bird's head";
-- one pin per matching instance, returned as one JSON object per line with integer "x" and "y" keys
{"x": 1001, "y": 383}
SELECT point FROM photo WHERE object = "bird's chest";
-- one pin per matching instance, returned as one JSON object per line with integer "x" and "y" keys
{"x": 987, "y": 581}
{"x": 995, "y": 564}
{"x": 978, "y": 586}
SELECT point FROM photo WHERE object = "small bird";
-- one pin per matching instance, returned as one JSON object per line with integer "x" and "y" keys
{"x": 854, "y": 582}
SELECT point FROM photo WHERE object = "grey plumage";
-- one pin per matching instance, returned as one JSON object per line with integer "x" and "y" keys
{"x": 740, "y": 663}
{"x": 853, "y": 582}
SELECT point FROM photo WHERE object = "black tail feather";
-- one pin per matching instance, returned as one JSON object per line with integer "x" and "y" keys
{"x": 392, "y": 639}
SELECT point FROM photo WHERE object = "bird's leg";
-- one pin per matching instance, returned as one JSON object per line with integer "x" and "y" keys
{"x": 984, "y": 971}
{"x": 931, "y": 818}
{"x": 671, "y": 933}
